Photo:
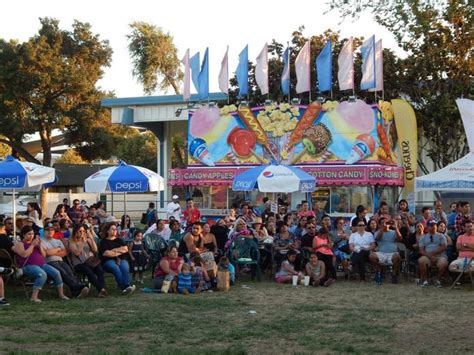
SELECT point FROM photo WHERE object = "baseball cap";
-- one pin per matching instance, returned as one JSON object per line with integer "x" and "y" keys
{"x": 431, "y": 222}
{"x": 49, "y": 226}
{"x": 175, "y": 197}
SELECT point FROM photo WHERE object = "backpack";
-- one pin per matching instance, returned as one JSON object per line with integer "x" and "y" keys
{"x": 143, "y": 219}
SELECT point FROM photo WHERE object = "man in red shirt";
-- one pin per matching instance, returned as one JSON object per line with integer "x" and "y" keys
{"x": 192, "y": 213}
{"x": 465, "y": 247}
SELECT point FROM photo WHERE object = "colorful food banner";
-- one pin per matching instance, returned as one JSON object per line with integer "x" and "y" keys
{"x": 348, "y": 132}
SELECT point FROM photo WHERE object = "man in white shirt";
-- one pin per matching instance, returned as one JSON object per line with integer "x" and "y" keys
{"x": 173, "y": 209}
{"x": 361, "y": 244}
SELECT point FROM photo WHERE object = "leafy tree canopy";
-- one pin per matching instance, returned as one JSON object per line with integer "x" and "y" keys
{"x": 155, "y": 58}
{"x": 49, "y": 82}
{"x": 437, "y": 36}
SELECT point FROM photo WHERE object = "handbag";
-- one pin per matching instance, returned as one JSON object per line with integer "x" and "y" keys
{"x": 92, "y": 261}
{"x": 223, "y": 280}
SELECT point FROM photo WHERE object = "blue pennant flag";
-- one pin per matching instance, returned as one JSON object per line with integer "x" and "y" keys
{"x": 324, "y": 68}
{"x": 194, "y": 64}
{"x": 242, "y": 72}
{"x": 285, "y": 75}
{"x": 368, "y": 64}
{"x": 204, "y": 77}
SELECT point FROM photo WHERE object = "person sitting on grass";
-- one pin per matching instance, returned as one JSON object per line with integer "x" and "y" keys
{"x": 113, "y": 253}
{"x": 168, "y": 268}
{"x": 433, "y": 252}
{"x": 200, "y": 278}
{"x": 316, "y": 270}
{"x": 185, "y": 280}
{"x": 31, "y": 258}
{"x": 322, "y": 246}
{"x": 465, "y": 247}
{"x": 287, "y": 269}
{"x": 284, "y": 242}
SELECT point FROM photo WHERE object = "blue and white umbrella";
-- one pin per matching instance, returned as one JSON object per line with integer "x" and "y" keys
{"x": 124, "y": 178}
{"x": 274, "y": 178}
{"x": 17, "y": 175}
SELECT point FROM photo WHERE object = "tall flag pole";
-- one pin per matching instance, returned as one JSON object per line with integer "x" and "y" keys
{"x": 368, "y": 64}
{"x": 204, "y": 77}
{"x": 345, "y": 63}
{"x": 187, "y": 77}
{"x": 194, "y": 63}
{"x": 261, "y": 70}
{"x": 285, "y": 75}
{"x": 324, "y": 68}
{"x": 224, "y": 74}
{"x": 303, "y": 70}
{"x": 378, "y": 68}
{"x": 242, "y": 72}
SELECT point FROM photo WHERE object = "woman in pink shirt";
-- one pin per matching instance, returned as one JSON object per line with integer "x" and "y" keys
{"x": 322, "y": 246}
{"x": 31, "y": 258}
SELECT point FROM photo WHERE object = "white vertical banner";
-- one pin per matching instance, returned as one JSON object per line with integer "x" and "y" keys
{"x": 466, "y": 109}
{"x": 224, "y": 73}
{"x": 187, "y": 77}
{"x": 261, "y": 70}
{"x": 345, "y": 63}
{"x": 378, "y": 67}
{"x": 302, "y": 69}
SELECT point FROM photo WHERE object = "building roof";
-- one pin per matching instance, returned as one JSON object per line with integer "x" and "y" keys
{"x": 75, "y": 174}
{"x": 158, "y": 100}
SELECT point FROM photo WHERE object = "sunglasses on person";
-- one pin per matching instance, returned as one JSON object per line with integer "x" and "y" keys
{"x": 361, "y": 225}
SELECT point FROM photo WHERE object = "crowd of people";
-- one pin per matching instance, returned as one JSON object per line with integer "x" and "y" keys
{"x": 81, "y": 243}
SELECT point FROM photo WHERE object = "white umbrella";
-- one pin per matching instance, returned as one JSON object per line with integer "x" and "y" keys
{"x": 16, "y": 175}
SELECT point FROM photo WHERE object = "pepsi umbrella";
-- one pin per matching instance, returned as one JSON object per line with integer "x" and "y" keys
{"x": 274, "y": 178}
{"x": 17, "y": 175}
{"x": 124, "y": 178}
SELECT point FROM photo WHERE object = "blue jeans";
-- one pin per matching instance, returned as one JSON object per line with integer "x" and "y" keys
{"x": 40, "y": 274}
{"x": 121, "y": 272}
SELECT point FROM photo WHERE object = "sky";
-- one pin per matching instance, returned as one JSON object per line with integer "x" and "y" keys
{"x": 193, "y": 24}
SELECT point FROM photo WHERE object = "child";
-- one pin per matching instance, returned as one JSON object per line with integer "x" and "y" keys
{"x": 138, "y": 255}
{"x": 315, "y": 269}
{"x": 200, "y": 279}
{"x": 185, "y": 280}
{"x": 287, "y": 269}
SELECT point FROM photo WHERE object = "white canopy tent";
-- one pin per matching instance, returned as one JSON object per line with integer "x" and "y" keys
{"x": 458, "y": 176}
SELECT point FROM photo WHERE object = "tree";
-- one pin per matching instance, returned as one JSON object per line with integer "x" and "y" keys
{"x": 137, "y": 148}
{"x": 71, "y": 156}
{"x": 154, "y": 58}
{"x": 49, "y": 82}
{"x": 437, "y": 37}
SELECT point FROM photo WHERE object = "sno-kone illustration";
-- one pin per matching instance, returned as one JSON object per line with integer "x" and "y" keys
{"x": 331, "y": 132}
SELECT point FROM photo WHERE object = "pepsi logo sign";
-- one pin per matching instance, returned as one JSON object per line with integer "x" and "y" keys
{"x": 268, "y": 174}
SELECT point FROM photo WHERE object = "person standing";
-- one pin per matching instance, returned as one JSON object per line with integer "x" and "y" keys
{"x": 192, "y": 213}
{"x": 174, "y": 209}
{"x": 463, "y": 216}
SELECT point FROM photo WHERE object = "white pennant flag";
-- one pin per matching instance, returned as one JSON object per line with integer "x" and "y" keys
{"x": 345, "y": 63}
{"x": 302, "y": 69}
{"x": 378, "y": 67}
{"x": 224, "y": 73}
{"x": 187, "y": 77}
{"x": 261, "y": 70}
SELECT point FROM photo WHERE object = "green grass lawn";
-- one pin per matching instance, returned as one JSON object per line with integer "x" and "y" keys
{"x": 348, "y": 317}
